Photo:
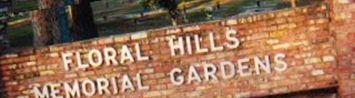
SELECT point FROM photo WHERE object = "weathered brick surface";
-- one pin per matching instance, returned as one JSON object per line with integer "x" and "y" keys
{"x": 342, "y": 26}
{"x": 303, "y": 34}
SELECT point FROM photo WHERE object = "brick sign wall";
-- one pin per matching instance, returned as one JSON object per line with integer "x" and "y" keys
{"x": 265, "y": 54}
{"x": 342, "y": 15}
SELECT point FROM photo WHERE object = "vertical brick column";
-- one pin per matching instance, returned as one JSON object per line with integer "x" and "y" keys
{"x": 343, "y": 27}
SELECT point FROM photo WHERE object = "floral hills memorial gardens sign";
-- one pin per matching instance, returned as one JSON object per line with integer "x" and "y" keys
{"x": 109, "y": 56}
{"x": 258, "y": 55}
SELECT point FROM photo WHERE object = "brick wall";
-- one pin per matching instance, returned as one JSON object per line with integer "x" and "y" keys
{"x": 302, "y": 34}
{"x": 342, "y": 15}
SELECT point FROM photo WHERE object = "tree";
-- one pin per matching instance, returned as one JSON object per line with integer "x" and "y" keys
{"x": 46, "y": 28}
{"x": 51, "y": 24}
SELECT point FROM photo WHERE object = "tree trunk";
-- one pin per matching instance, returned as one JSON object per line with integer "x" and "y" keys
{"x": 83, "y": 21}
{"x": 50, "y": 23}
{"x": 46, "y": 28}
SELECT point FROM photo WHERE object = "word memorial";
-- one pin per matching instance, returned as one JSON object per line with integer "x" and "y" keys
{"x": 182, "y": 45}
